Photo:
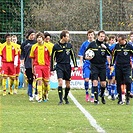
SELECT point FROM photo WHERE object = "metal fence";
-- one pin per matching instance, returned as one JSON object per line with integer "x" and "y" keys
{"x": 17, "y": 16}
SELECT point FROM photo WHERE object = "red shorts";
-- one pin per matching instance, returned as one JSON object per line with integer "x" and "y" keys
{"x": 42, "y": 72}
{"x": 8, "y": 69}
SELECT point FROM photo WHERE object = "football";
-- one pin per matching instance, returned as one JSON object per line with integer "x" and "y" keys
{"x": 89, "y": 54}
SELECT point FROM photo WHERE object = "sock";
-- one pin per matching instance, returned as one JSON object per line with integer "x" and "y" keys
{"x": 92, "y": 93}
{"x": 119, "y": 91}
{"x": 95, "y": 92}
{"x": 39, "y": 89}
{"x": 128, "y": 89}
{"x": 113, "y": 88}
{"x": 16, "y": 83}
{"x": 10, "y": 84}
{"x": 60, "y": 93}
{"x": 66, "y": 92}
{"x": 30, "y": 90}
{"x": 102, "y": 91}
{"x": 4, "y": 84}
{"x": 86, "y": 84}
{"x": 109, "y": 89}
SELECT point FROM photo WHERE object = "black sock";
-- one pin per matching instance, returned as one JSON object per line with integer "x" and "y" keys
{"x": 66, "y": 92}
{"x": 128, "y": 89}
{"x": 102, "y": 91}
{"x": 95, "y": 92}
{"x": 60, "y": 92}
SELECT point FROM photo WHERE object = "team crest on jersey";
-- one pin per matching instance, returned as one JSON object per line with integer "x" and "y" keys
{"x": 68, "y": 51}
{"x": 125, "y": 53}
{"x": 102, "y": 53}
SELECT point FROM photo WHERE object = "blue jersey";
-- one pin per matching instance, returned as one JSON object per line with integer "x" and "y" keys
{"x": 82, "y": 50}
{"x": 86, "y": 65}
{"x": 112, "y": 46}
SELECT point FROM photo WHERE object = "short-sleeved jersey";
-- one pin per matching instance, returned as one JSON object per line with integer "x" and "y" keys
{"x": 82, "y": 51}
{"x": 8, "y": 52}
{"x": 41, "y": 54}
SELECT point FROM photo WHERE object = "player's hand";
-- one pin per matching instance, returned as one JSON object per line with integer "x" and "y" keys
{"x": 52, "y": 73}
{"x": 75, "y": 68}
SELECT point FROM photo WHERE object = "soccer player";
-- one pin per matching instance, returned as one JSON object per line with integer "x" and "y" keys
{"x": 131, "y": 43}
{"x": 16, "y": 81}
{"x": 47, "y": 40}
{"x": 26, "y": 60}
{"x": 98, "y": 66}
{"x": 111, "y": 86}
{"x": 122, "y": 54}
{"x": 85, "y": 64}
{"x": 8, "y": 62}
{"x": 40, "y": 54}
{"x": 62, "y": 53}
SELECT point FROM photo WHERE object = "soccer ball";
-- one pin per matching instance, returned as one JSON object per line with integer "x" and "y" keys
{"x": 89, "y": 54}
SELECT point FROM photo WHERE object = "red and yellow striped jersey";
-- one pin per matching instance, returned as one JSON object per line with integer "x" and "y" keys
{"x": 8, "y": 52}
{"x": 41, "y": 54}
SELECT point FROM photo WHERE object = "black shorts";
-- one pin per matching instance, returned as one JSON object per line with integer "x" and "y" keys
{"x": 98, "y": 70}
{"x": 63, "y": 71}
{"x": 123, "y": 73}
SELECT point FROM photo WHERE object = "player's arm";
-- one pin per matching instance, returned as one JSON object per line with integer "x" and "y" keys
{"x": 52, "y": 59}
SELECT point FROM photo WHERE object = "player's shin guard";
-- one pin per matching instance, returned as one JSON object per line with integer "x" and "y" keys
{"x": 60, "y": 93}
{"x": 95, "y": 88}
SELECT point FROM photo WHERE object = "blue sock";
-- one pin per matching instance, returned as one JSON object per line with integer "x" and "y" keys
{"x": 92, "y": 92}
{"x": 86, "y": 84}
{"x": 109, "y": 89}
{"x": 113, "y": 88}
{"x": 132, "y": 87}
{"x": 30, "y": 90}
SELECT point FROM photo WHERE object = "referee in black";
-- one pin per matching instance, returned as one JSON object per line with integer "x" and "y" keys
{"x": 122, "y": 57}
{"x": 98, "y": 66}
{"x": 62, "y": 53}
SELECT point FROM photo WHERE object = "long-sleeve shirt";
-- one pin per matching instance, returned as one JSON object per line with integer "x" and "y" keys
{"x": 100, "y": 53}
{"x": 62, "y": 54}
{"x": 25, "y": 52}
{"x": 122, "y": 54}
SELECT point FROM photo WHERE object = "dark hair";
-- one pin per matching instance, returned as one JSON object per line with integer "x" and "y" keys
{"x": 112, "y": 37}
{"x": 63, "y": 33}
{"x": 47, "y": 34}
{"x": 30, "y": 32}
{"x": 101, "y": 31}
{"x": 90, "y": 31}
{"x": 122, "y": 36}
{"x": 131, "y": 33}
{"x": 7, "y": 35}
{"x": 40, "y": 34}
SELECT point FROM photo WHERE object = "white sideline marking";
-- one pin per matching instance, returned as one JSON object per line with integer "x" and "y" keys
{"x": 87, "y": 114}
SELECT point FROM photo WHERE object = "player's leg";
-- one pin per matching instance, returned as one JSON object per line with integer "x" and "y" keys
{"x": 102, "y": 76}
{"x": 86, "y": 76}
{"x": 29, "y": 75}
